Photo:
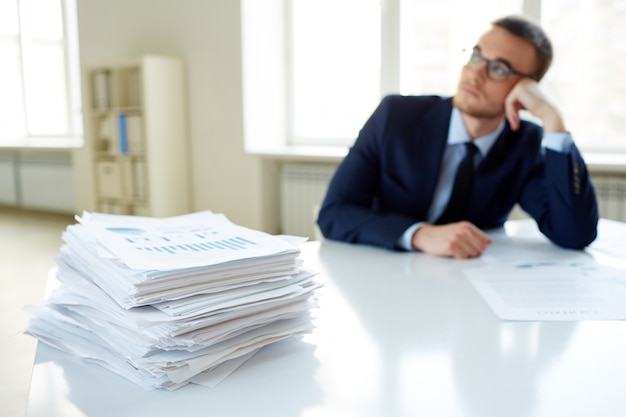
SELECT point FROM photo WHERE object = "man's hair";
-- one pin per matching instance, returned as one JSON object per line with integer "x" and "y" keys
{"x": 532, "y": 33}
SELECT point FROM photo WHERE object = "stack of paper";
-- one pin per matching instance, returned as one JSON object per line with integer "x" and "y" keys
{"x": 165, "y": 302}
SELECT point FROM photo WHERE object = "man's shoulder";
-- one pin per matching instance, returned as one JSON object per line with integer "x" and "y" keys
{"x": 418, "y": 101}
{"x": 400, "y": 105}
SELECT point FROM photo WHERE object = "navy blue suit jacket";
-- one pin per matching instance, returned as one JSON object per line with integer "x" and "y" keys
{"x": 387, "y": 181}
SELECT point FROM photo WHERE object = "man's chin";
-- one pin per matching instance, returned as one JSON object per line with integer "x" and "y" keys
{"x": 466, "y": 103}
{"x": 476, "y": 110}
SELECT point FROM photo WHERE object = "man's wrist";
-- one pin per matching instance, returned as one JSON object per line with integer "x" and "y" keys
{"x": 406, "y": 240}
{"x": 558, "y": 142}
{"x": 553, "y": 122}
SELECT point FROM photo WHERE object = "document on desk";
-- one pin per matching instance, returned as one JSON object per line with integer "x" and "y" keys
{"x": 552, "y": 291}
{"x": 610, "y": 240}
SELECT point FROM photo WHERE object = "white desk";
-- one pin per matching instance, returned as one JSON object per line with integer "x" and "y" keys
{"x": 399, "y": 334}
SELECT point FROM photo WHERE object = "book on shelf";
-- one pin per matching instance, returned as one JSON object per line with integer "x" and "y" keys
{"x": 102, "y": 89}
{"x": 133, "y": 88}
{"x": 109, "y": 179}
{"x": 105, "y": 135}
{"x": 130, "y": 134}
{"x": 134, "y": 134}
{"x": 140, "y": 210}
{"x": 140, "y": 187}
{"x": 111, "y": 207}
{"x": 122, "y": 134}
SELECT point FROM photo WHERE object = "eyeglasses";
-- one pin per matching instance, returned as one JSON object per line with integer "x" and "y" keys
{"x": 497, "y": 70}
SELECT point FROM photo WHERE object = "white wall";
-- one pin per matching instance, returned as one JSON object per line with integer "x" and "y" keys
{"x": 206, "y": 35}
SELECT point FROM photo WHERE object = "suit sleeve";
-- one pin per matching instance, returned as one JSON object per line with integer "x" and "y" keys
{"x": 562, "y": 199}
{"x": 349, "y": 212}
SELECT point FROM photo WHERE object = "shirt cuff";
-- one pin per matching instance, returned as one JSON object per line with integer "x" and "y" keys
{"x": 406, "y": 240}
{"x": 558, "y": 141}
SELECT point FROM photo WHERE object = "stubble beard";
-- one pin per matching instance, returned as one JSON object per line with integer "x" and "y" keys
{"x": 478, "y": 112}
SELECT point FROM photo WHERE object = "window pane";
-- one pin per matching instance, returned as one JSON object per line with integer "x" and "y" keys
{"x": 335, "y": 67}
{"x": 587, "y": 78}
{"x": 44, "y": 67}
{"x": 46, "y": 91}
{"x": 11, "y": 98}
{"x": 432, "y": 38}
{"x": 41, "y": 19}
{"x": 8, "y": 17}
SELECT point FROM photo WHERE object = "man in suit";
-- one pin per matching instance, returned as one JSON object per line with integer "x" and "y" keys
{"x": 392, "y": 188}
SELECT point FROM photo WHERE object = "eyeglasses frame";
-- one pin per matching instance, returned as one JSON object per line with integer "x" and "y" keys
{"x": 475, "y": 52}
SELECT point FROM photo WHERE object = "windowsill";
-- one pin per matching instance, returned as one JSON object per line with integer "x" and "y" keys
{"x": 43, "y": 144}
{"x": 328, "y": 154}
{"x": 597, "y": 162}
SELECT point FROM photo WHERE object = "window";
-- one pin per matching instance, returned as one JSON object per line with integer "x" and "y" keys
{"x": 335, "y": 67}
{"x": 40, "y": 102}
{"x": 344, "y": 55}
{"x": 588, "y": 74}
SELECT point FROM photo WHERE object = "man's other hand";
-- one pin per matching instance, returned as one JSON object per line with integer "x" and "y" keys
{"x": 461, "y": 240}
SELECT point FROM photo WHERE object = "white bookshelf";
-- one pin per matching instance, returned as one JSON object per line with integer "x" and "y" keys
{"x": 137, "y": 137}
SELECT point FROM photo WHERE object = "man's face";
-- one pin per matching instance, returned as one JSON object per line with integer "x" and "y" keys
{"x": 478, "y": 95}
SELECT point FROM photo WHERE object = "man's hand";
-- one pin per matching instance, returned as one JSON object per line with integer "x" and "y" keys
{"x": 460, "y": 240}
{"x": 526, "y": 95}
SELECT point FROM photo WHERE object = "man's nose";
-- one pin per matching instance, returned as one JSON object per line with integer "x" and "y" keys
{"x": 477, "y": 72}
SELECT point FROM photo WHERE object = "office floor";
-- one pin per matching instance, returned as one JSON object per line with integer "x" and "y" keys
{"x": 28, "y": 242}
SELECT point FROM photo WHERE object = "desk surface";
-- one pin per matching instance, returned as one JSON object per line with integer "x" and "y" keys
{"x": 399, "y": 334}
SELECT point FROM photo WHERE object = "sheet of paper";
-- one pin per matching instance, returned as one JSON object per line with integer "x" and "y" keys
{"x": 217, "y": 374}
{"x": 610, "y": 240}
{"x": 191, "y": 240}
{"x": 552, "y": 290}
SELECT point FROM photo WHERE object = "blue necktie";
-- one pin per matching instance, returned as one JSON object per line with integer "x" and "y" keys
{"x": 459, "y": 198}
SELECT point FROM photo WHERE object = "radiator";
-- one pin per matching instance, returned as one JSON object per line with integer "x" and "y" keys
{"x": 611, "y": 193}
{"x": 303, "y": 187}
{"x": 39, "y": 181}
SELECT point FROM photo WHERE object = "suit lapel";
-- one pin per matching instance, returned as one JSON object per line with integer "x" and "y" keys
{"x": 431, "y": 136}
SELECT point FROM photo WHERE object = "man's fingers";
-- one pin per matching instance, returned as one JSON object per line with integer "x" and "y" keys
{"x": 512, "y": 106}
{"x": 470, "y": 243}
{"x": 459, "y": 240}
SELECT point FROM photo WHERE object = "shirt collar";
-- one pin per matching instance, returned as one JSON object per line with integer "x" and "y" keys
{"x": 457, "y": 133}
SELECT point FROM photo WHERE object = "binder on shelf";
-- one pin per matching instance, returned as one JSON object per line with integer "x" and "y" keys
{"x": 134, "y": 134}
{"x": 141, "y": 210}
{"x": 109, "y": 179}
{"x": 105, "y": 135}
{"x": 133, "y": 86}
{"x": 111, "y": 207}
{"x": 140, "y": 186}
{"x": 130, "y": 134}
{"x": 128, "y": 177}
{"x": 102, "y": 89}
{"x": 122, "y": 134}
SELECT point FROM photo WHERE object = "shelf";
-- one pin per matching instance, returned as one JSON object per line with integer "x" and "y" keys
{"x": 137, "y": 136}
